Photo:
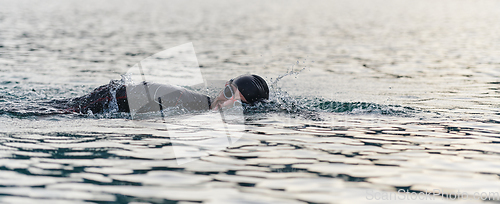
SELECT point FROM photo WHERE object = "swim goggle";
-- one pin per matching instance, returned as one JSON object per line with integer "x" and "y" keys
{"x": 229, "y": 93}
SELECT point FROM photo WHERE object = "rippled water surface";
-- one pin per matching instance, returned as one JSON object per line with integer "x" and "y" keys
{"x": 367, "y": 98}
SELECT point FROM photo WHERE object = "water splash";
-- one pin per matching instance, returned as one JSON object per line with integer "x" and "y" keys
{"x": 289, "y": 72}
{"x": 310, "y": 108}
{"x": 113, "y": 104}
{"x": 127, "y": 79}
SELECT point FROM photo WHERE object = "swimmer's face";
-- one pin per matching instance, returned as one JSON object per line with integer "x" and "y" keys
{"x": 221, "y": 100}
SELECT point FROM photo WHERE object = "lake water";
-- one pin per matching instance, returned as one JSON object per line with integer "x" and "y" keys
{"x": 368, "y": 99}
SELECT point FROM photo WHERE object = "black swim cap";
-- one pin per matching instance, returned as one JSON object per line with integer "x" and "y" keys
{"x": 252, "y": 87}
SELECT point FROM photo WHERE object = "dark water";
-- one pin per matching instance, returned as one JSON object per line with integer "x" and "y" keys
{"x": 367, "y": 98}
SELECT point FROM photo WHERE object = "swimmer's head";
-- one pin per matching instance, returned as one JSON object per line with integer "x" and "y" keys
{"x": 243, "y": 89}
{"x": 252, "y": 87}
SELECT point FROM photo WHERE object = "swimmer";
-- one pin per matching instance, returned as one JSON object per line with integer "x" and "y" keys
{"x": 150, "y": 97}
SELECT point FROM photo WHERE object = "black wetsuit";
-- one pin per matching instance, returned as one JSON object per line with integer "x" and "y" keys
{"x": 146, "y": 97}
